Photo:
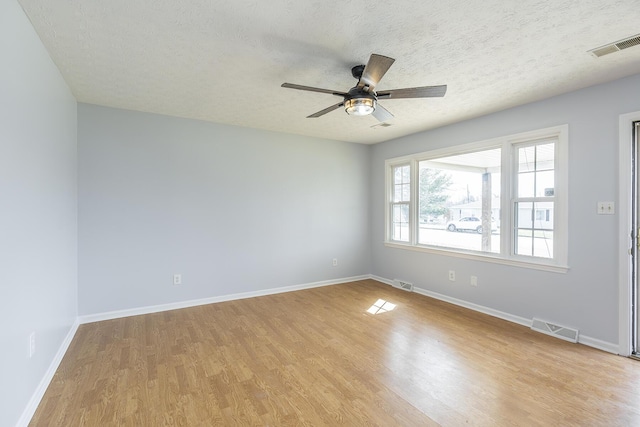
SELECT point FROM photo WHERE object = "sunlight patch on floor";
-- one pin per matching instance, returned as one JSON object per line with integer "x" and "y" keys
{"x": 381, "y": 306}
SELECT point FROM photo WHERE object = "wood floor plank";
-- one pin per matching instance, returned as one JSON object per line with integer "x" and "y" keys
{"x": 318, "y": 358}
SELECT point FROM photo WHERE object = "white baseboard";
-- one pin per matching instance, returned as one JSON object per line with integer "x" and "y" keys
{"x": 192, "y": 303}
{"x": 28, "y": 412}
{"x": 476, "y": 307}
{"x": 599, "y": 344}
{"x": 585, "y": 340}
{"x": 381, "y": 279}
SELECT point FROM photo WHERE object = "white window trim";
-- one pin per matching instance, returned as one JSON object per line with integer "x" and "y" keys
{"x": 558, "y": 264}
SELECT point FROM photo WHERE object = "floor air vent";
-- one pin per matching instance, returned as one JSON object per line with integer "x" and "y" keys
{"x": 562, "y": 332}
{"x": 403, "y": 285}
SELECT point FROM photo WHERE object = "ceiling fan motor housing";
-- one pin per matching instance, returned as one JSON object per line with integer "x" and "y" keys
{"x": 357, "y": 71}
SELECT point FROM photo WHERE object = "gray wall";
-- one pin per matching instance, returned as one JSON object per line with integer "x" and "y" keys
{"x": 38, "y": 210}
{"x": 587, "y": 296}
{"x": 231, "y": 209}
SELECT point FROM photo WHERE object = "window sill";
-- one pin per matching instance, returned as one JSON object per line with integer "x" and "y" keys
{"x": 491, "y": 258}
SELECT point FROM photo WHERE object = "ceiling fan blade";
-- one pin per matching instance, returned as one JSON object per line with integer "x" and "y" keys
{"x": 382, "y": 114}
{"x": 326, "y": 110}
{"x": 375, "y": 69}
{"x": 414, "y": 92}
{"x": 313, "y": 89}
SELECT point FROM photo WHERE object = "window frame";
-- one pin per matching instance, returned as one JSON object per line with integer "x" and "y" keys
{"x": 393, "y": 203}
{"x": 534, "y": 199}
{"x": 508, "y": 177}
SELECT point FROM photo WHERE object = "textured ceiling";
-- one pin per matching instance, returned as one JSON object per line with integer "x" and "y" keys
{"x": 224, "y": 61}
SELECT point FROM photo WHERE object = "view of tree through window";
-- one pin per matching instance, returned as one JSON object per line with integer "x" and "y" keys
{"x": 459, "y": 202}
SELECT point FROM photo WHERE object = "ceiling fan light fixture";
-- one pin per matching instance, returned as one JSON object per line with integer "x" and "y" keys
{"x": 360, "y": 106}
{"x": 362, "y": 99}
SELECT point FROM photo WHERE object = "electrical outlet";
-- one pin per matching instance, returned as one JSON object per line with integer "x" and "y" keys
{"x": 177, "y": 279}
{"x": 32, "y": 344}
{"x": 474, "y": 281}
{"x": 335, "y": 262}
{"x": 452, "y": 275}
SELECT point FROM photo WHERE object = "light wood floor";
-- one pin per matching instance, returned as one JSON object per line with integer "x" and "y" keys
{"x": 316, "y": 357}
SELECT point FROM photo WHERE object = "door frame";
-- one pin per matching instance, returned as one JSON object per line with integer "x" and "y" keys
{"x": 626, "y": 240}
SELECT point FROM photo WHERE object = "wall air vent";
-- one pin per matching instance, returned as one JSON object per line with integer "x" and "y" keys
{"x": 406, "y": 286}
{"x": 562, "y": 332}
{"x": 615, "y": 47}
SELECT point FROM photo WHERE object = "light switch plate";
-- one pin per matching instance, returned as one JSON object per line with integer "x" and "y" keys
{"x": 606, "y": 208}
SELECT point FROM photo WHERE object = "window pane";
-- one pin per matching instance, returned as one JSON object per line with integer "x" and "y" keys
{"x": 545, "y": 156}
{"x": 524, "y": 212}
{"x": 543, "y": 244}
{"x": 397, "y": 193}
{"x": 544, "y": 183}
{"x": 406, "y": 192}
{"x": 545, "y": 222}
{"x": 402, "y": 192}
{"x": 401, "y": 213}
{"x": 526, "y": 184}
{"x": 459, "y": 198}
{"x": 526, "y": 159}
{"x": 406, "y": 173}
{"x": 536, "y": 243}
{"x": 534, "y": 229}
{"x": 400, "y": 222}
{"x": 402, "y": 184}
{"x": 524, "y": 244}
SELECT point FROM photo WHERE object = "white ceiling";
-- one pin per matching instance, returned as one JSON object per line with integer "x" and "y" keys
{"x": 224, "y": 61}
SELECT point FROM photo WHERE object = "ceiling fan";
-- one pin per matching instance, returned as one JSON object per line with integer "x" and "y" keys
{"x": 362, "y": 99}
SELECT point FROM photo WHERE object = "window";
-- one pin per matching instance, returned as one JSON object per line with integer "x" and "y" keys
{"x": 400, "y": 204}
{"x": 534, "y": 195}
{"x": 502, "y": 200}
